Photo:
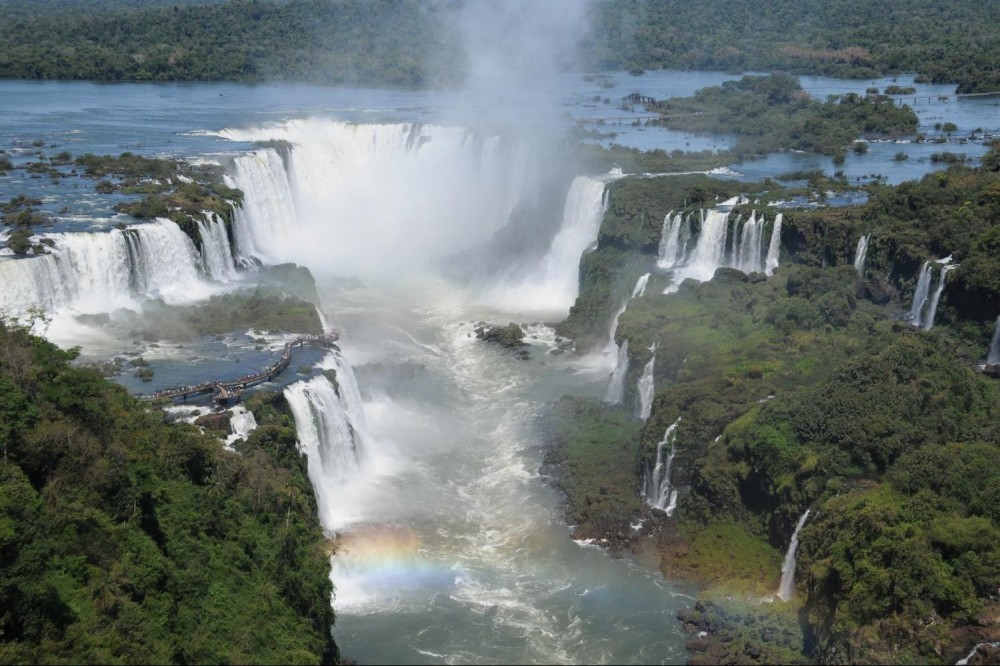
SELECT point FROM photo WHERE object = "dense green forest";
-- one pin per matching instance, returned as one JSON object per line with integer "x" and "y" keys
{"x": 944, "y": 42}
{"x": 127, "y": 540}
{"x": 771, "y": 113}
{"x": 805, "y": 390}
{"x": 416, "y": 43}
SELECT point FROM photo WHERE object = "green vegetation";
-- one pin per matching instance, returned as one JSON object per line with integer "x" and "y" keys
{"x": 592, "y": 460}
{"x": 172, "y": 188}
{"x": 416, "y": 43}
{"x": 355, "y": 41}
{"x": 123, "y": 539}
{"x": 260, "y": 309}
{"x": 770, "y": 113}
{"x": 803, "y": 391}
{"x": 950, "y": 42}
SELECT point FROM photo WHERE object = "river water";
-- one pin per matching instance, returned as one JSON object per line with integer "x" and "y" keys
{"x": 452, "y": 547}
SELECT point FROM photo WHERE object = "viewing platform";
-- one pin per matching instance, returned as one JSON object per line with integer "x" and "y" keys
{"x": 229, "y": 391}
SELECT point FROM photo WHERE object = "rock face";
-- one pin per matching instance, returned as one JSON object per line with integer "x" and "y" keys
{"x": 510, "y": 336}
{"x": 219, "y": 422}
{"x": 878, "y": 291}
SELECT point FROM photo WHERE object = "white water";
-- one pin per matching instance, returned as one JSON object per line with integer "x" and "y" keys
{"x": 656, "y": 486}
{"x": 928, "y": 322}
{"x": 99, "y": 272}
{"x": 673, "y": 241}
{"x": 993, "y": 357}
{"x": 216, "y": 251}
{"x": 786, "y": 590}
{"x": 774, "y": 247}
{"x": 640, "y": 286}
{"x": 644, "y": 388}
{"x": 419, "y": 192}
{"x": 242, "y": 423}
{"x": 711, "y": 250}
{"x": 924, "y": 307}
{"x": 555, "y": 283}
{"x": 860, "y": 254}
{"x": 333, "y": 434}
{"x": 615, "y": 393}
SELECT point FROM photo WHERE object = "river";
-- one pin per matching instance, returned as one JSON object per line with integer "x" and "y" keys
{"x": 452, "y": 547}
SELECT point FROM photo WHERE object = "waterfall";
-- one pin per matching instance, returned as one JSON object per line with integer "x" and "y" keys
{"x": 242, "y": 423}
{"x": 747, "y": 245}
{"x": 993, "y": 357}
{"x": 656, "y": 486}
{"x": 920, "y": 294}
{"x": 928, "y": 322}
{"x": 787, "y": 588}
{"x": 640, "y": 286}
{"x": 100, "y": 272}
{"x": 557, "y": 282}
{"x": 924, "y": 306}
{"x": 774, "y": 247}
{"x": 860, "y": 254}
{"x": 332, "y": 432}
{"x": 615, "y": 393}
{"x": 265, "y": 223}
{"x": 645, "y": 387}
{"x": 673, "y": 240}
{"x": 216, "y": 253}
{"x": 710, "y": 251}
{"x": 420, "y": 193}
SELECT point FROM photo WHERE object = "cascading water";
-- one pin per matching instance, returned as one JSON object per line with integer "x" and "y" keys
{"x": 99, "y": 272}
{"x": 928, "y": 322}
{"x": 993, "y": 357}
{"x": 330, "y": 422}
{"x": 241, "y": 423}
{"x": 711, "y": 250}
{"x": 656, "y": 486}
{"x": 774, "y": 247}
{"x": 673, "y": 241}
{"x": 640, "y": 286}
{"x": 420, "y": 192}
{"x": 645, "y": 387}
{"x": 786, "y": 590}
{"x": 615, "y": 393}
{"x": 920, "y": 294}
{"x": 860, "y": 254}
{"x": 747, "y": 245}
{"x": 924, "y": 307}
{"x": 216, "y": 252}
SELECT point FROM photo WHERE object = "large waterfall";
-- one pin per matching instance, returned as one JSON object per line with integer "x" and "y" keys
{"x": 99, "y": 272}
{"x": 860, "y": 255}
{"x": 656, "y": 487}
{"x": 644, "y": 388}
{"x": 418, "y": 192}
{"x": 216, "y": 251}
{"x": 923, "y": 310}
{"x": 722, "y": 241}
{"x": 330, "y": 422}
{"x": 786, "y": 590}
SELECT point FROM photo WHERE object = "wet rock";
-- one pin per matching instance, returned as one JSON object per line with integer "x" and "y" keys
{"x": 216, "y": 422}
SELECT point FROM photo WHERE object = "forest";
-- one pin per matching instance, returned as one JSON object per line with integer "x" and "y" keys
{"x": 124, "y": 539}
{"x": 416, "y": 43}
{"x": 806, "y": 390}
